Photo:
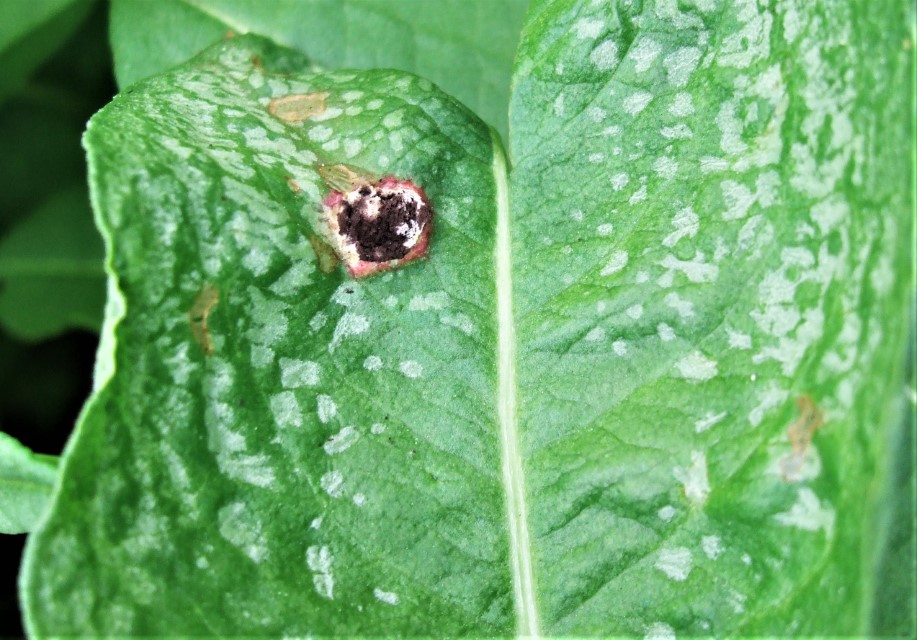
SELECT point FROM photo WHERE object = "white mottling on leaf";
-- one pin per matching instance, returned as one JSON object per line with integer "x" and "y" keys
{"x": 377, "y": 428}
{"x": 685, "y": 308}
{"x": 372, "y": 363}
{"x": 605, "y": 56}
{"x": 712, "y": 546}
{"x": 644, "y": 53}
{"x": 708, "y": 421}
{"x": 319, "y": 561}
{"x": 635, "y": 311}
{"x": 686, "y": 224}
{"x": 327, "y": 409}
{"x": 242, "y": 530}
{"x": 605, "y": 229}
{"x": 666, "y": 333}
{"x": 667, "y": 513}
{"x": 596, "y": 334}
{"x": 638, "y": 196}
{"x": 676, "y": 563}
{"x": 619, "y": 346}
{"x": 682, "y": 105}
{"x": 659, "y": 631}
{"x": 694, "y": 478}
{"x": 285, "y": 409}
{"x": 680, "y": 64}
{"x": 696, "y": 366}
{"x": 617, "y": 262}
{"x": 411, "y": 368}
{"x": 298, "y": 373}
{"x": 808, "y": 513}
{"x": 738, "y": 340}
{"x": 349, "y": 325}
{"x": 637, "y": 102}
{"x": 332, "y": 483}
{"x": 359, "y": 499}
{"x": 619, "y": 181}
{"x": 316, "y": 523}
{"x": 768, "y": 398}
{"x": 341, "y": 441}
{"x": 429, "y": 301}
{"x": 388, "y": 597}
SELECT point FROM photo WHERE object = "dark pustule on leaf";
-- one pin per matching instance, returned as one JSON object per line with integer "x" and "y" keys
{"x": 382, "y": 222}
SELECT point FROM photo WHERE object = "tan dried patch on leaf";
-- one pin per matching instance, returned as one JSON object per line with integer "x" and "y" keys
{"x": 294, "y": 186}
{"x": 343, "y": 178}
{"x": 204, "y": 302}
{"x": 328, "y": 260}
{"x": 298, "y": 106}
{"x": 800, "y": 434}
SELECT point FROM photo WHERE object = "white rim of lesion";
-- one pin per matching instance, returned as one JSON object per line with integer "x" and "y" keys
{"x": 513, "y": 477}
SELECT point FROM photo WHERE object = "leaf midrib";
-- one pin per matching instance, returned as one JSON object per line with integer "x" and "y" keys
{"x": 513, "y": 476}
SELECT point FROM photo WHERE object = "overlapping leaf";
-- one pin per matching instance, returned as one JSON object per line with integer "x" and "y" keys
{"x": 707, "y": 223}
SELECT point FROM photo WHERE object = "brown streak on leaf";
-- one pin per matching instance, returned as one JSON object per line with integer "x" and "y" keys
{"x": 204, "y": 302}
{"x": 298, "y": 106}
{"x": 800, "y": 434}
{"x": 294, "y": 186}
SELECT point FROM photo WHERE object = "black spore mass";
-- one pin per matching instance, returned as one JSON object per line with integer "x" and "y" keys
{"x": 380, "y": 221}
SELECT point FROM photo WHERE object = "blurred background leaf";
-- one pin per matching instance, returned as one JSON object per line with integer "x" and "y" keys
{"x": 30, "y": 31}
{"x": 56, "y": 73}
{"x": 51, "y": 269}
{"x": 465, "y": 46}
{"x": 25, "y": 484}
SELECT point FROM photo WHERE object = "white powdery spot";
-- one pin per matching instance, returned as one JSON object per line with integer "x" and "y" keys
{"x": 695, "y": 270}
{"x": 377, "y": 428}
{"x": 559, "y": 105}
{"x": 644, "y": 53}
{"x": 327, "y": 409}
{"x": 637, "y": 102}
{"x": 393, "y": 119}
{"x": 619, "y": 181}
{"x": 349, "y": 325}
{"x": 577, "y": 215}
{"x": 694, "y": 478}
{"x": 316, "y": 523}
{"x": 341, "y": 441}
{"x": 659, "y": 631}
{"x": 769, "y": 398}
{"x": 242, "y": 530}
{"x": 588, "y": 28}
{"x": 666, "y": 167}
{"x": 411, "y": 368}
{"x": 635, "y": 311}
{"x": 352, "y": 147}
{"x": 708, "y": 421}
{"x": 712, "y": 546}
{"x": 319, "y": 560}
{"x": 696, "y": 366}
{"x": 679, "y": 131}
{"x": 430, "y": 301}
{"x": 605, "y": 56}
{"x": 617, "y": 262}
{"x": 321, "y": 133}
{"x": 675, "y": 563}
{"x": 686, "y": 224}
{"x": 639, "y": 195}
{"x": 332, "y": 483}
{"x": 359, "y": 499}
{"x": 604, "y": 229}
{"x": 808, "y": 513}
{"x": 596, "y": 114}
{"x": 372, "y": 363}
{"x": 388, "y": 597}
{"x": 285, "y": 409}
{"x": 298, "y": 373}
{"x": 666, "y": 333}
{"x": 597, "y": 334}
{"x": 318, "y": 321}
{"x": 685, "y": 308}
{"x": 667, "y": 513}
{"x": 680, "y": 64}
{"x": 619, "y": 347}
{"x": 738, "y": 340}
{"x": 682, "y": 105}
{"x": 738, "y": 199}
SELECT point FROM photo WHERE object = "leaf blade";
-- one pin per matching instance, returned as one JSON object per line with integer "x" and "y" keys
{"x": 26, "y": 480}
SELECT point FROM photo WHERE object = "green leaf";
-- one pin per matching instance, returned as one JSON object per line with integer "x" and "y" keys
{"x": 26, "y": 480}
{"x": 32, "y": 30}
{"x": 464, "y": 46}
{"x": 51, "y": 272}
{"x": 640, "y": 387}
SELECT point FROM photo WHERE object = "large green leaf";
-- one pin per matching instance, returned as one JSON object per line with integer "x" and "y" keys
{"x": 51, "y": 275}
{"x": 30, "y": 31}
{"x": 596, "y": 409}
{"x": 25, "y": 484}
{"x": 464, "y": 46}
